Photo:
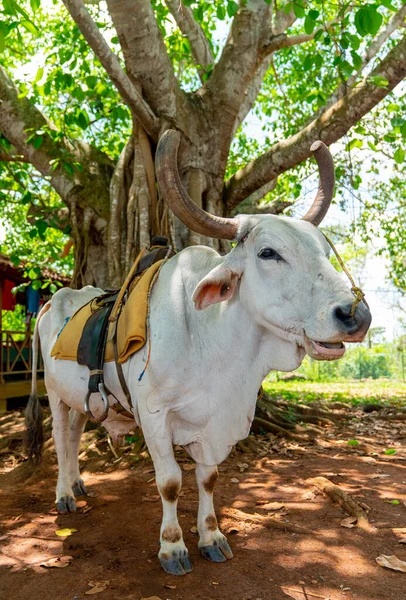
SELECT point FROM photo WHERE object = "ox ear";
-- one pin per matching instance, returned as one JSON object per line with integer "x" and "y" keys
{"x": 217, "y": 286}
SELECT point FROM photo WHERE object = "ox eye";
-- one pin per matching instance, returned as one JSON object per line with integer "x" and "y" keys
{"x": 269, "y": 254}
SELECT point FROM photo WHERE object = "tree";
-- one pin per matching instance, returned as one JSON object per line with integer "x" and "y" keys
{"x": 79, "y": 136}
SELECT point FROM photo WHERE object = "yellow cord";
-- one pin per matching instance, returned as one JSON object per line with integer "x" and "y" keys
{"x": 358, "y": 293}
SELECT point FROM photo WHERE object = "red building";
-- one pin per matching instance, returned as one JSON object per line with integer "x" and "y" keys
{"x": 16, "y": 347}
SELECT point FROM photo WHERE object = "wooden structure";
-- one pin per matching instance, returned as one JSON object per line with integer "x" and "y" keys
{"x": 16, "y": 345}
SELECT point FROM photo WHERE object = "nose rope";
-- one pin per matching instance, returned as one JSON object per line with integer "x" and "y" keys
{"x": 358, "y": 293}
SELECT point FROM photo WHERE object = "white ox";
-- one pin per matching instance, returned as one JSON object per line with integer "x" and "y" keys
{"x": 219, "y": 324}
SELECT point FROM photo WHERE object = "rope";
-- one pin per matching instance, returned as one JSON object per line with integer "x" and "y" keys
{"x": 358, "y": 293}
{"x": 155, "y": 277}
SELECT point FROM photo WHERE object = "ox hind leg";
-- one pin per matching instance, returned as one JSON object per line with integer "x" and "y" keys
{"x": 212, "y": 543}
{"x": 173, "y": 554}
{"x": 77, "y": 423}
{"x": 65, "y": 501}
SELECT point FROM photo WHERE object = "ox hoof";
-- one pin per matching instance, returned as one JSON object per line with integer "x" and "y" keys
{"x": 79, "y": 488}
{"x": 176, "y": 564}
{"x": 217, "y": 552}
{"x": 65, "y": 505}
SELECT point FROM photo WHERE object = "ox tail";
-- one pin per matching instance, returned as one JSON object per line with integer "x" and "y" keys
{"x": 34, "y": 433}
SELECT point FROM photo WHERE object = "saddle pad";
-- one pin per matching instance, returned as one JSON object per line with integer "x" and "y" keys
{"x": 131, "y": 330}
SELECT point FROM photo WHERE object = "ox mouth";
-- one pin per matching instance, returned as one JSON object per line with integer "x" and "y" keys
{"x": 324, "y": 350}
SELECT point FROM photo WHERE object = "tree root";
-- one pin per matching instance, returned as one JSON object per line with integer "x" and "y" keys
{"x": 268, "y": 522}
{"x": 259, "y": 425}
{"x": 338, "y": 496}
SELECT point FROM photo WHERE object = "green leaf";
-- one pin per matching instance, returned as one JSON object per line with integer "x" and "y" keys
{"x": 15, "y": 259}
{"x": 35, "y": 4}
{"x": 68, "y": 168}
{"x": 52, "y": 288}
{"x": 26, "y": 198}
{"x": 309, "y": 25}
{"x": 394, "y": 502}
{"x": 356, "y": 59}
{"x": 314, "y": 14}
{"x": 221, "y": 13}
{"x": 379, "y": 81}
{"x": 66, "y": 531}
{"x": 287, "y": 8}
{"x": 9, "y": 8}
{"x": 29, "y": 26}
{"x": 372, "y": 146}
{"x": 42, "y": 226}
{"x": 232, "y": 8}
{"x": 36, "y": 285}
{"x": 82, "y": 119}
{"x": 308, "y": 62}
{"x": 114, "y": 40}
{"x": 390, "y": 451}
{"x": 37, "y": 141}
{"x": 353, "y": 443}
{"x": 403, "y": 130}
{"x": 298, "y": 10}
{"x": 388, "y": 4}
{"x": 354, "y": 144}
{"x": 399, "y": 157}
{"x": 367, "y": 20}
{"x": 317, "y": 60}
{"x": 39, "y": 75}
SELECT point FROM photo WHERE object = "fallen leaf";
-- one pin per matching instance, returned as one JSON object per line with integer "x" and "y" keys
{"x": 242, "y": 466}
{"x": 189, "y": 467}
{"x": 97, "y": 586}
{"x": 193, "y": 529}
{"x": 391, "y": 562}
{"x": 66, "y": 531}
{"x": 86, "y": 509}
{"x": 234, "y": 480}
{"x": 394, "y": 502}
{"x": 380, "y": 476}
{"x": 152, "y": 598}
{"x": 215, "y": 583}
{"x": 15, "y": 519}
{"x": 81, "y": 503}
{"x": 154, "y": 498}
{"x": 60, "y": 562}
{"x": 274, "y": 506}
{"x": 402, "y": 540}
{"x": 170, "y": 587}
{"x": 349, "y": 522}
{"x": 233, "y": 531}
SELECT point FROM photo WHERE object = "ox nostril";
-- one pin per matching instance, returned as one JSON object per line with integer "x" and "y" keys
{"x": 343, "y": 315}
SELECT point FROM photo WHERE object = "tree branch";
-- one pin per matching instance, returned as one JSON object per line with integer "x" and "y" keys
{"x": 239, "y": 58}
{"x": 111, "y": 64}
{"x": 90, "y": 185}
{"x": 200, "y": 46}
{"x": 331, "y": 126}
{"x": 145, "y": 55}
{"x": 282, "y": 40}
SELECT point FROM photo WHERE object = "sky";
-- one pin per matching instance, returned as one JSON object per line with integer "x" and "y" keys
{"x": 380, "y": 294}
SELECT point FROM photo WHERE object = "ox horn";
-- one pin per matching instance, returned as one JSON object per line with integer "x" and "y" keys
{"x": 178, "y": 199}
{"x": 322, "y": 201}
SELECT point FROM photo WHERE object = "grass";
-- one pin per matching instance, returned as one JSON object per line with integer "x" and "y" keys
{"x": 355, "y": 392}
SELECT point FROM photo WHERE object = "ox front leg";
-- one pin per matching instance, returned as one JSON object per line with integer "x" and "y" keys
{"x": 173, "y": 554}
{"x": 77, "y": 423}
{"x": 213, "y": 544}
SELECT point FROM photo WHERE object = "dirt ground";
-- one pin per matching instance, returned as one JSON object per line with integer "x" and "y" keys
{"x": 287, "y": 537}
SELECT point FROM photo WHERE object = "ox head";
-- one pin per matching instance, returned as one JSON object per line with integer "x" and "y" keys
{"x": 279, "y": 265}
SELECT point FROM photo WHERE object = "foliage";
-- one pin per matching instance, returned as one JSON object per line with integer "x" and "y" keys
{"x": 56, "y": 70}
{"x": 354, "y": 392}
